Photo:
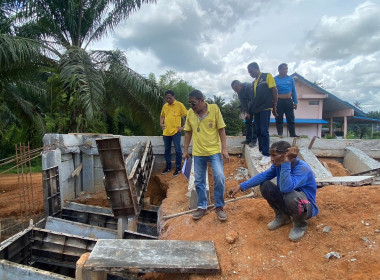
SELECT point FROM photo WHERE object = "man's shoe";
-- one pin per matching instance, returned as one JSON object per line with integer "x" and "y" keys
{"x": 166, "y": 170}
{"x": 251, "y": 145}
{"x": 298, "y": 230}
{"x": 221, "y": 214}
{"x": 176, "y": 172}
{"x": 199, "y": 213}
{"x": 265, "y": 160}
{"x": 280, "y": 220}
{"x": 245, "y": 142}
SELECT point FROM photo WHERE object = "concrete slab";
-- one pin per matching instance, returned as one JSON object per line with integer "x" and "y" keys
{"x": 356, "y": 161}
{"x": 346, "y": 181}
{"x": 141, "y": 256}
{"x": 318, "y": 169}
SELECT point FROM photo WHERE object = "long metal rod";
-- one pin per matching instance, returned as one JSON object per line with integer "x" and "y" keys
{"x": 251, "y": 195}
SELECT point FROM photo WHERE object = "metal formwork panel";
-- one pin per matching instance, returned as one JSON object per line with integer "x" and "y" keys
{"x": 52, "y": 192}
{"x": 125, "y": 181}
{"x": 57, "y": 248}
{"x": 116, "y": 178}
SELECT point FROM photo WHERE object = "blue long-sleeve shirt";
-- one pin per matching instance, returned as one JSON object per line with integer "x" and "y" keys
{"x": 286, "y": 85}
{"x": 297, "y": 176}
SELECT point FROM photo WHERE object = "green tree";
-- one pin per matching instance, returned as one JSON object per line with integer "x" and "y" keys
{"x": 81, "y": 77}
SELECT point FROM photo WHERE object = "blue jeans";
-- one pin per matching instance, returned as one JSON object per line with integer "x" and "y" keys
{"x": 178, "y": 152}
{"x": 262, "y": 123}
{"x": 200, "y": 169}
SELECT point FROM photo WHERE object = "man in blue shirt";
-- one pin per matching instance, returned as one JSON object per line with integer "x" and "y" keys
{"x": 293, "y": 198}
{"x": 287, "y": 100}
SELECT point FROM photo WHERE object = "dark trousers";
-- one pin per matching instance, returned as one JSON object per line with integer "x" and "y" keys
{"x": 262, "y": 129}
{"x": 294, "y": 203}
{"x": 251, "y": 134}
{"x": 285, "y": 106}
{"x": 176, "y": 138}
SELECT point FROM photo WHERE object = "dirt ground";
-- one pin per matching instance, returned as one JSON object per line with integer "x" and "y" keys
{"x": 245, "y": 248}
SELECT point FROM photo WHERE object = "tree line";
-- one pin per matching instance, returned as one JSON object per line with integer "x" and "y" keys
{"x": 50, "y": 82}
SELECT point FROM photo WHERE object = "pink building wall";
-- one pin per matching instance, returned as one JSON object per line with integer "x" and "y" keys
{"x": 310, "y": 106}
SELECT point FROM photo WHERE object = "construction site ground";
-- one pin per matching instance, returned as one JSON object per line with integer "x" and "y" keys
{"x": 246, "y": 249}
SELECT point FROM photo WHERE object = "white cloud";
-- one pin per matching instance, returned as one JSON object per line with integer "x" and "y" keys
{"x": 210, "y": 43}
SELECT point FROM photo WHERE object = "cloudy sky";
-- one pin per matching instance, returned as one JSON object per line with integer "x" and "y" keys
{"x": 209, "y": 43}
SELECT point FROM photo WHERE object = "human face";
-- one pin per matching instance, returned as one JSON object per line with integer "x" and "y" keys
{"x": 283, "y": 71}
{"x": 276, "y": 158}
{"x": 195, "y": 104}
{"x": 237, "y": 88}
{"x": 169, "y": 98}
{"x": 253, "y": 72}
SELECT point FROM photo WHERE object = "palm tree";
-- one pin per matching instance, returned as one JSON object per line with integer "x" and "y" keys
{"x": 82, "y": 76}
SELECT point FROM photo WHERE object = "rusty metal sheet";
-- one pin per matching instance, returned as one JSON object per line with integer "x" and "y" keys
{"x": 140, "y": 256}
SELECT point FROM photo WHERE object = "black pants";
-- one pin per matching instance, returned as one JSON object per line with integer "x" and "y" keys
{"x": 285, "y": 106}
{"x": 294, "y": 203}
{"x": 251, "y": 133}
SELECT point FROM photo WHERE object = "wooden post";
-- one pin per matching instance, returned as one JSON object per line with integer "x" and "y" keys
{"x": 332, "y": 126}
{"x": 122, "y": 225}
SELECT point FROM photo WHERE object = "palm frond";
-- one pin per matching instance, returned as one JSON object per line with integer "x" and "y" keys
{"x": 79, "y": 75}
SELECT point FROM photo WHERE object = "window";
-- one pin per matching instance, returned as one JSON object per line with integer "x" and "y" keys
{"x": 314, "y": 102}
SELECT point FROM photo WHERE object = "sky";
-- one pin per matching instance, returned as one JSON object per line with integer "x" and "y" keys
{"x": 209, "y": 43}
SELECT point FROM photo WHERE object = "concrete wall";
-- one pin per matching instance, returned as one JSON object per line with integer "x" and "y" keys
{"x": 71, "y": 150}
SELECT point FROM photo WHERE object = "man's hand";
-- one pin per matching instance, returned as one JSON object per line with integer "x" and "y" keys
{"x": 162, "y": 126}
{"x": 185, "y": 155}
{"x": 291, "y": 153}
{"x": 180, "y": 128}
{"x": 294, "y": 106}
{"x": 225, "y": 155}
{"x": 234, "y": 191}
{"x": 274, "y": 110}
{"x": 247, "y": 116}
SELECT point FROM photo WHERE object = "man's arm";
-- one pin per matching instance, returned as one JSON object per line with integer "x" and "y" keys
{"x": 222, "y": 135}
{"x": 188, "y": 136}
{"x": 275, "y": 98}
{"x": 294, "y": 94}
{"x": 162, "y": 124}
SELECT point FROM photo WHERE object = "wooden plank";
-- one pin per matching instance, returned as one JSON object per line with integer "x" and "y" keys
{"x": 141, "y": 256}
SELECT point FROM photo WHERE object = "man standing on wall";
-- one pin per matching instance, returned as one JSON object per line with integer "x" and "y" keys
{"x": 287, "y": 100}
{"x": 170, "y": 121}
{"x": 245, "y": 94}
{"x": 205, "y": 125}
{"x": 265, "y": 100}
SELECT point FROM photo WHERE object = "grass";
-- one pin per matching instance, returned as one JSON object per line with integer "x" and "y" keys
{"x": 36, "y": 167}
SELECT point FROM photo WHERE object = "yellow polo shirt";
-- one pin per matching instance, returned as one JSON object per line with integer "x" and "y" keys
{"x": 206, "y": 141}
{"x": 270, "y": 82}
{"x": 172, "y": 114}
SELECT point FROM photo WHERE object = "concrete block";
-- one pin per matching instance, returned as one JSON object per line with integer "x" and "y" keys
{"x": 318, "y": 169}
{"x": 357, "y": 161}
{"x": 88, "y": 173}
{"x": 51, "y": 158}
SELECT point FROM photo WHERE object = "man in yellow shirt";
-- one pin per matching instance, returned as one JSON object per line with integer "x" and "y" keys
{"x": 205, "y": 125}
{"x": 170, "y": 121}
